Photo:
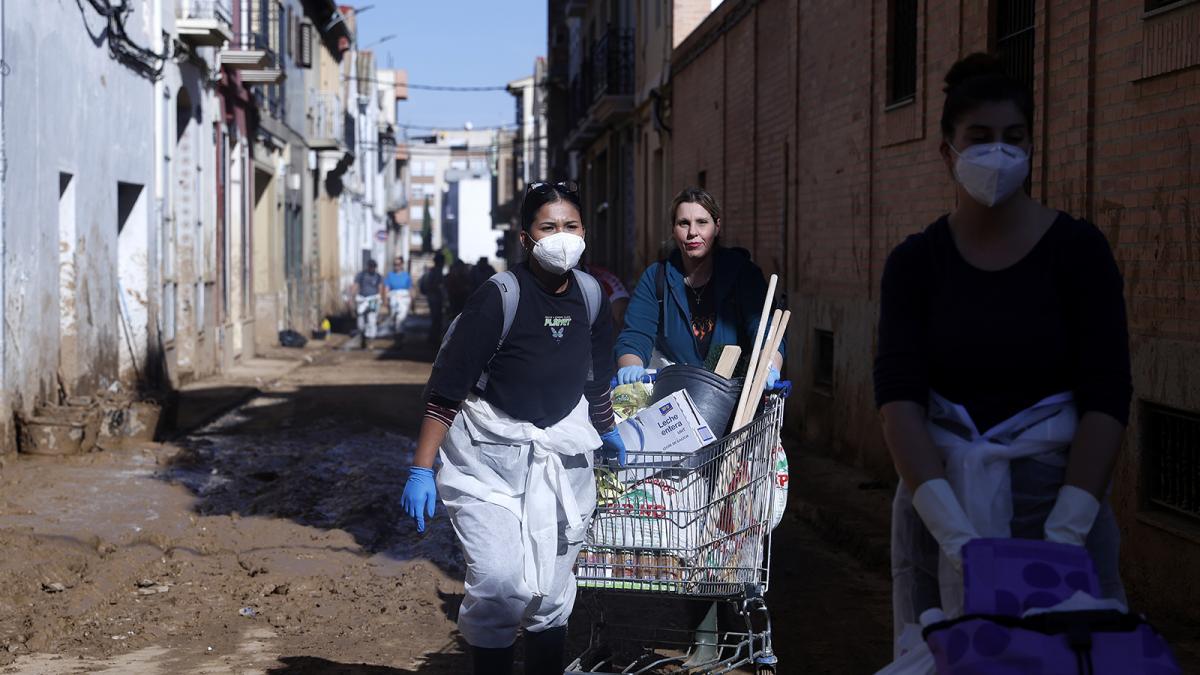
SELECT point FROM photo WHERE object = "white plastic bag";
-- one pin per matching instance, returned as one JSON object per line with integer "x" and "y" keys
{"x": 779, "y": 491}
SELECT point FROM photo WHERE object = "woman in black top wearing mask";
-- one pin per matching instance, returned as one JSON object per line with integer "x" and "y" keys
{"x": 1002, "y": 321}
{"x": 514, "y": 418}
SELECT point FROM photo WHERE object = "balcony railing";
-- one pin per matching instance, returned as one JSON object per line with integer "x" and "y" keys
{"x": 612, "y": 65}
{"x": 204, "y": 22}
{"x": 579, "y": 95}
{"x": 603, "y": 88}
{"x": 218, "y": 10}
{"x": 254, "y": 50}
{"x": 326, "y": 120}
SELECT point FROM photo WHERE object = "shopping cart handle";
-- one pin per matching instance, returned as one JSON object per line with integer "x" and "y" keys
{"x": 648, "y": 378}
{"x": 782, "y": 388}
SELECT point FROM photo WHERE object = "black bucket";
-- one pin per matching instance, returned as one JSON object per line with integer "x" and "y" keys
{"x": 715, "y": 397}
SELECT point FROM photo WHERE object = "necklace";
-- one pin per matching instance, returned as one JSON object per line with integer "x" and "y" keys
{"x": 697, "y": 292}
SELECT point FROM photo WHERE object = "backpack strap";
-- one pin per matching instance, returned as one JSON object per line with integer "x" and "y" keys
{"x": 591, "y": 294}
{"x": 510, "y": 297}
{"x": 592, "y": 299}
{"x": 660, "y": 289}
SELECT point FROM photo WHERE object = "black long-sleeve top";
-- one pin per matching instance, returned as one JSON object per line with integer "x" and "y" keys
{"x": 542, "y": 368}
{"x": 999, "y": 341}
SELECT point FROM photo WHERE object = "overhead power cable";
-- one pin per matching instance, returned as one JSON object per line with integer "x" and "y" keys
{"x": 438, "y": 87}
{"x": 456, "y": 127}
{"x": 430, "y": 87}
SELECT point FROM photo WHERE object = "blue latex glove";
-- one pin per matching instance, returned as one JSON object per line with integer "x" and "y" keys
{"x": 630, "y": 374}
{"x": 613, "y": 447}
{"x": 772, "y": 378}
{"x": 420, "y": 495}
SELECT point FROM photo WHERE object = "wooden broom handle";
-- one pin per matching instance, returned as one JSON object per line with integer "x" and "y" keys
{"x": 757, "y": 346}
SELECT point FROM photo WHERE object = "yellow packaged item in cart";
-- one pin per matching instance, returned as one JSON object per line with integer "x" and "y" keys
{"x": 629, "y": 399}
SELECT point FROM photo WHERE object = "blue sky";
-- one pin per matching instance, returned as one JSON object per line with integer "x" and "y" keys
{"x": 456, "y": 42}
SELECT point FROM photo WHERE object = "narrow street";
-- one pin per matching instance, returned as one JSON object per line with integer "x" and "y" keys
{"x": 271, "y": 541}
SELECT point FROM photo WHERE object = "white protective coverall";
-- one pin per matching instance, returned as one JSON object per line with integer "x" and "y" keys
{"x": 367, "y": 307}
{"x": 1007, "y": 480}
{"x": 520, "y": 499}
{"x": 399, "y": 300}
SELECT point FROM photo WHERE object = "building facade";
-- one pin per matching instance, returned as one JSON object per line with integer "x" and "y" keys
{"x": 184, "y": 186}
{"x": 80, "y": 236}
{"x": 437, "y": 160}
{"x": 661, "y": 26}
{"x": 591, "y": 82}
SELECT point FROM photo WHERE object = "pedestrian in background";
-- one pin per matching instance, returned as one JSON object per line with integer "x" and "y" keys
{"x": 480, "y": 273}
{"x": 367, "y": 291}
{"x": 516, "y": 426}
{"x": 433, "y": 288}
{"x": 458, "y": 287}
{"x": 614, "y": 290}
{"x": 1002, "y": 330}
{"x": 399, "y": 283}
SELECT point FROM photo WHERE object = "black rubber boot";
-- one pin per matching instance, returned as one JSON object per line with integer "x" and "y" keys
{"x": 492, "y": 661}
{"x": 545, "y": 651}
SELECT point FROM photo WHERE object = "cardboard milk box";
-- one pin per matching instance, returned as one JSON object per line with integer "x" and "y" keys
{"x": 672, "y": 425}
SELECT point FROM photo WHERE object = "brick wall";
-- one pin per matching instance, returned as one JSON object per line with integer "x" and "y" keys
{"x": 782, "y": 104}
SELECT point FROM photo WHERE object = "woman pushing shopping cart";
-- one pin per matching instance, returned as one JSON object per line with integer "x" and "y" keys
{"x": 690, "y": 524}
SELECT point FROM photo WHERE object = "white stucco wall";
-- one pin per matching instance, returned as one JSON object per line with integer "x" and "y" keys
{"x": 74, "y": 110}
{"x": 476, "y": 239}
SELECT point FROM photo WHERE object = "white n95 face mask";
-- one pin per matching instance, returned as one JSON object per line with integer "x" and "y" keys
{"x": 559, "y": 253}
{"x": 991, "y": 172}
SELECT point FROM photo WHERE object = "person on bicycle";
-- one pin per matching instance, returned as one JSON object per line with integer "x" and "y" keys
{"x": 1002, "y": 330}
{"x": 516, "y": 448}
{"x": 367, "y": 289}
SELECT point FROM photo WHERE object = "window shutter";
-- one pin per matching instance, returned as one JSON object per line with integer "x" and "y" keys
{"x": 306, "y": 45}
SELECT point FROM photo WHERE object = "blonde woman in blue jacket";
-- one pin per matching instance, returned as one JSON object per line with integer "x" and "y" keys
{"x": 700, "y": 299}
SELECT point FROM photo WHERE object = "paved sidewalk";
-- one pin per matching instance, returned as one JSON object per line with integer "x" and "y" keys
{"x": 197, "y": 403}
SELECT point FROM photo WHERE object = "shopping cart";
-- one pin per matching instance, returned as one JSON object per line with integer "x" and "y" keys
{"x": 685, "y": 527}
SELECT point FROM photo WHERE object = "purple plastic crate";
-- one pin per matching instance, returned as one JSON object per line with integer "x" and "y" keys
{"x": 1110, "y": 643}
{"x": 1010, "y": 576}
{"x": 1005, "y": 577}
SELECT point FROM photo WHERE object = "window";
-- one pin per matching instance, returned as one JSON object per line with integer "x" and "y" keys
{"x": 67, "y": 241}
{"x": 285, "y": 35}
{"x": 902, "y": 52}
{"x": 1014, "y": 38}
{"x": 823, "y": 360}
{"x": 424, "y": 167}
{"x": 305, "y": 48}
{"x": 1171, "y": 459}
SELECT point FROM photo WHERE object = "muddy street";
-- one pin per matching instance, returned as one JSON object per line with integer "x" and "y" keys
{"x": 271, "y": 540}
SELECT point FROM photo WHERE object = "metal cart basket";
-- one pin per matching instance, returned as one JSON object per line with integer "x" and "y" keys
{"x": 694, "y": 526}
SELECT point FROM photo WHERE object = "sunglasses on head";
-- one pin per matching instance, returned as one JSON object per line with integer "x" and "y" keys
{"x": 542, "y": 187}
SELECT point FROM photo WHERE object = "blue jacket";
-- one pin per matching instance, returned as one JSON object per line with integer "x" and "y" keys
{"x": 740, "y": 290}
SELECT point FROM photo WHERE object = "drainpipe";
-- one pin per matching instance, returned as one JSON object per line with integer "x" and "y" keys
{"x": 5, "y": 406}
{"x": 155, "y": 263}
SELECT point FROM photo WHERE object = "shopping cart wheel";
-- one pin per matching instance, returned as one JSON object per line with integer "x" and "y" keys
{"x": 766, "y": 664}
